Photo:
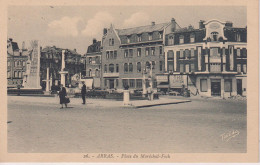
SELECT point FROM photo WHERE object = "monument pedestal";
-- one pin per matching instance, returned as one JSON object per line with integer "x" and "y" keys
{"x": 127, "y": 98}
{"x": 62, "y": 77}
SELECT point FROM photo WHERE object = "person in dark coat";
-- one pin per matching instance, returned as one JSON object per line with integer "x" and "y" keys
{"x": 62, "y": 95}
{"x": 83, "y": 93}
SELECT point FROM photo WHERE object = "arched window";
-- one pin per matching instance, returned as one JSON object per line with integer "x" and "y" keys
{"x": 90, "y": 73}
{"x": 111, "y": 68}
{"x": 125, "y": 67}
{"x": 97, "y": 73}
{"x": 214, "y": 36}
{"x": 105, "y": 68}
{"x": 130, "y": 67}
{"x": 147, "y": 65}
{"x": 139, "y": 67}
{"x": 112, "y": 42}
{"x": 170, "y": 41}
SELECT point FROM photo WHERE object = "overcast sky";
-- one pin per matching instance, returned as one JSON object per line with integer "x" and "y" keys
{"x": 75, "y": 27}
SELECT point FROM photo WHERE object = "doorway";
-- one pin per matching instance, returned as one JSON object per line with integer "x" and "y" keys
{"x": 215, "y": 87}
{"x": 239, "y": 86}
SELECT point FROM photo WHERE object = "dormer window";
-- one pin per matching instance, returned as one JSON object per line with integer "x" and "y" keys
{"x": 160, "y": 35}
{"x": 150, "y": 36}
{"x": 192, "y": 38}
{"x": 170, "y": 41}
{"x": 214, "y": 36}
{"x": 139, "y": 39}
{"x": 181, "y": 39}
{"x": 237, "y": 37}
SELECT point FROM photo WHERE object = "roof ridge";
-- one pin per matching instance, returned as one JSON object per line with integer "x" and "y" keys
{"x": 142, "y": 26}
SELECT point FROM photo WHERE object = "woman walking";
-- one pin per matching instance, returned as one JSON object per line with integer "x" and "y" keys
{"x": 62, "y": 95}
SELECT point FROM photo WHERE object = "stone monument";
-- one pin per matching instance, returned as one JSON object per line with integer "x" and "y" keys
{"x": 63, "y": 72}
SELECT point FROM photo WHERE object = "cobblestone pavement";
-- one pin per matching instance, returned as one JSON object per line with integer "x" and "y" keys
{"x": 38, "y": 125}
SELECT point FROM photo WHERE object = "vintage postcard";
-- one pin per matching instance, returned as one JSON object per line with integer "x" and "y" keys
{"x": 129, "y": 81}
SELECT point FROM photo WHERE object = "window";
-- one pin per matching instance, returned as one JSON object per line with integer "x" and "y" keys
{"x": 237, "y": 37}
{"x": 161, "y": 66}
{"x": 105, "y": 82}
{"x": 238, "y": 52}
{"x": 170, "y": 41}
{"x": 15, "y": 63}
{"x": 228, "y": 85}
{"x": 192, "y": 67}
{"x": 90, "y": 60}
{"x": 15, "y": 74}
{"x": 105, "y": 68}
{"x": 147, "y": 51}
{"x": 115, "y": 54}
{"x": 8, "y": 63}
{"x": 97, "y": 60}
{"x": 111, "y": 68}
{"x": 187, "y": 53}
{"x": 112, "y": 42}
{"x": 181, "y": 54}
{"x": 117, "y": 82}
{"x": 139, "y": 83}
{"x": 153, "y": 65}
{"x": 111, "y": 54}
{"x": 125, "y": 67}
{"x": 160, "y": 50}
{"x": 239, "y": 68}
{"x": 125, "y": 82}
{"x": 244, "y": 68}
{"x": 147, "y": 65}
{"x": 181, "y": 68}
{"x": 160, "y": 35}
{"x": 90, "y": 73}
{"x": 153, "y": 51}
{"x": 150, "y": 36}
{"x": 130, "y": 67}
{"x": 244, "y": 52}
{"x": 97, "y": 73}
{"x": 130, "y": 53}
{"x": 138, "y": 52}
{"x": 139, "y": 67}
{"x": 187, "y": 68}
{"x": 192, "y": 52}
{"x": 128, "y": 39}
{"x": 203, "y": 85}
{"x": 117, "y": 68}
{"x": 181, "y": 39}
{"x": 214, "y": 36}
{"x": 107, "y": 54}
{"x": 19, "y": 74}
{"x": 126, "y": 53}
{"x": 132, "y": 83}
{"x": 192, "y": 38}
{"x": 139, "y": 38}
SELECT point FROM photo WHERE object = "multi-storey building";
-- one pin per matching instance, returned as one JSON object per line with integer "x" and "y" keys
{"x": 93, "y": 65}
{"x": 131, "y": 57}
{"x": 16, "y": 63}
{"x": 211, "y": 60}
{"x": 51, "y": 58}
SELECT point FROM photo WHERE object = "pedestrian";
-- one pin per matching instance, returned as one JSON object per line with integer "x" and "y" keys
{"x": 149, "y": 92}
{"x": 83, "y": 92}
{"x": 62, "y": 95}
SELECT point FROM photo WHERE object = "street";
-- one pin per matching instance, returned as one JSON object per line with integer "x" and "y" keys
{"x": 38, "y": 125}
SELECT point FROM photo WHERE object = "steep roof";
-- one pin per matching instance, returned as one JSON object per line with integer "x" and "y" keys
{"x": 15, "y": 46}
{"x": 142, "y": 29}
{"x": 95, "y": 47}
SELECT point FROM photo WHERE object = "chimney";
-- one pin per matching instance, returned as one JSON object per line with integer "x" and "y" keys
{"x": 11, "y": 39}
{"x": 229, "y": 24}
{"x": 75, "y": 50}
{"x": 153, "y": 23}
{"x": 94, "y": 40}
{"x": 201, "y": 24}
{"x": 173, "y": 22}
{"x": 23, "y": 45}
{"x": 104, "y": 31}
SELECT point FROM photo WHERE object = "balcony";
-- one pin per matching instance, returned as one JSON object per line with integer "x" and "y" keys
{"x": 114, "y": 74}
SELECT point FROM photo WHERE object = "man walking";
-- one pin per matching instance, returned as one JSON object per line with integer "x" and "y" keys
{"x": 83, "y": 92}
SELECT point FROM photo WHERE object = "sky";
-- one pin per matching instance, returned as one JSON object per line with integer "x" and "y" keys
{"x": 74, "y": 27}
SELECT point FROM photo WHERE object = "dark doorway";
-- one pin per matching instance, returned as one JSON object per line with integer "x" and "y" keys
{"x": 111, "y": 84}
{"x": 239, "y": 86}
{"x": 215, "y": 88}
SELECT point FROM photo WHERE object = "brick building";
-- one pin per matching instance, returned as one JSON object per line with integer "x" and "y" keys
{"x": 211, "y": 59}
{"x": 129, "y": 55}
{"x": 16, "y": 63}
{"x": 93, "y": 65}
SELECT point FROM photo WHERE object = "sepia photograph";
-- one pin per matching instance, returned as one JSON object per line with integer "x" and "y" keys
{"x": 126, "y": 82}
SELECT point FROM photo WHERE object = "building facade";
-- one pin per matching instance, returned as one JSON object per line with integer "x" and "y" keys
{"x": 92, "y": 60}
{"x": 16, "y": 63}
{"x": 51, "y": 58}
{"x": 133, "y": 57}
{"x": 210, "y": 60}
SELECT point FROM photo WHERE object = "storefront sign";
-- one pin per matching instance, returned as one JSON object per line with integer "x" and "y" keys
{"x": 176, "y": 81}
{"x": 162, "y": 78}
